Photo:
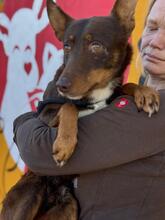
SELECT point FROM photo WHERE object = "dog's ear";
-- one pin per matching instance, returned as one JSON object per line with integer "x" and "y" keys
{"x": 124, "y": 10}
{"x": 58, "y": 19}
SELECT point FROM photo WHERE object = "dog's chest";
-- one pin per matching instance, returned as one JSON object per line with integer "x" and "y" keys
{"x": 99, "y": 97}
{"x": 95, "y": 107}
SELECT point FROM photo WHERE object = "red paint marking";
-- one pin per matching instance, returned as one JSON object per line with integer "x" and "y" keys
{"x": 28, "y": 67}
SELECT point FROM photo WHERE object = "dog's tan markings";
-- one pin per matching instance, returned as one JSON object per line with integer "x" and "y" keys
{"x": 96, "y": 79}
{"x": 101, "y": 77}
{"x": 146, "y": 98}
{"x": 66, "y": 139}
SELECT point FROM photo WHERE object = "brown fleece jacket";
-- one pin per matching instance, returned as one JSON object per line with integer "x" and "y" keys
{"x": 120, "y": 159}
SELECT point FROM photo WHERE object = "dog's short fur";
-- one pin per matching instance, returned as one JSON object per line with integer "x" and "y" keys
{"x": 96, "y": 53}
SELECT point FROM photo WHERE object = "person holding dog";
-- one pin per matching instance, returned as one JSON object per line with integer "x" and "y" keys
{"x": 120, "y": 153}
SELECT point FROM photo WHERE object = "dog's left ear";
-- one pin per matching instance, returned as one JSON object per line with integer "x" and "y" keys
{"x": 124, "y": 10}
{"x": 58, "y": 19}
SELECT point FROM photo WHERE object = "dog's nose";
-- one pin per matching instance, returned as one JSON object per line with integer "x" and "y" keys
{"x": 63, "y": 84}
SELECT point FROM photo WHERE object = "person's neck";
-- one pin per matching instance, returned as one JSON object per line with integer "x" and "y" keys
{"x": 155, "y": 82}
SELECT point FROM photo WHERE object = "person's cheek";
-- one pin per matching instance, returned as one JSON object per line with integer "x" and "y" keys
{"x": 144, "y": 43}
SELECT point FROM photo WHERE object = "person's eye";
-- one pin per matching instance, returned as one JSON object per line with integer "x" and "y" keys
{"x": 96, "y": 47}
{"x": 152, "y": 28}
{"x": 67, "y": 47}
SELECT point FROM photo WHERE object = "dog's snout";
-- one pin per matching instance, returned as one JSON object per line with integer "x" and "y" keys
{"x": 63, "y": 84}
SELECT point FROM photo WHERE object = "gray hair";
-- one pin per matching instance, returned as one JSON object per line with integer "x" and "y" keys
{"x": 144, "y": 76}
{"x": 152, "y": 2}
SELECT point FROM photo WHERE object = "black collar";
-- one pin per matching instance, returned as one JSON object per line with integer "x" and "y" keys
{"x": 82, "y": 104}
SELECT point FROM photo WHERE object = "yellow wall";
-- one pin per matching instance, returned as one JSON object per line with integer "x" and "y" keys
{"x": 7, "y": 178}
{"x": 141, "y": 11}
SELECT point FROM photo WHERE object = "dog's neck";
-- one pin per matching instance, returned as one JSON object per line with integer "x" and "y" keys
{"x": 102, "y": 94}
{"x": 98, "y": 98}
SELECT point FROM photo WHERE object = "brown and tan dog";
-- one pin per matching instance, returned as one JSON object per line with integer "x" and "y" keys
{"x": 96, "y": 53}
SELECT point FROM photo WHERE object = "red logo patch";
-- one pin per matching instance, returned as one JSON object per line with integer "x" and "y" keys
{"x": 121, "y": 103}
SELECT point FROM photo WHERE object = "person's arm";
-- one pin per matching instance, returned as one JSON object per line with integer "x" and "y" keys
{"x": 107, "y": 138}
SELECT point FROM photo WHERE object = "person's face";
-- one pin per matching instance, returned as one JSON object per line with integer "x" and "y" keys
{"x": 153, "y": 41}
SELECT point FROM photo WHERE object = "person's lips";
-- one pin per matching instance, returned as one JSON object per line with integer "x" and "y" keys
{"x": 153, "y": 58}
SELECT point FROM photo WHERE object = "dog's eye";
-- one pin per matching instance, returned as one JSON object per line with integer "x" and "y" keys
{"x": 96, "y": 47}
{"x": 67, "y": 48}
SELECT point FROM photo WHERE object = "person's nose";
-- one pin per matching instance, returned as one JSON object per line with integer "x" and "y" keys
{"x": 158, "y": 40}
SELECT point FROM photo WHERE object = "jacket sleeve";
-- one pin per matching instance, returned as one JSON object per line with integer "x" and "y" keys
{"x": 110, "y": 137}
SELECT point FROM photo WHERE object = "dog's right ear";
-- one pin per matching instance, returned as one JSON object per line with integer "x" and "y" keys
{"x": 124, "y": 11}
{"x": 58, "y": 19}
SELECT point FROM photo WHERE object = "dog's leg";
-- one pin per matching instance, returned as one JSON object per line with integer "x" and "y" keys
{"x": 66, "y": 139}
{"x": 146, "y": 98}
{"x": 65, "y": 211}
{"x": 24, "y": 199}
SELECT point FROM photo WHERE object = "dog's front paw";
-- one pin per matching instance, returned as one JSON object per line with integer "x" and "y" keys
{"x": 63, "y": 149}
{"x": 147, "y": 99}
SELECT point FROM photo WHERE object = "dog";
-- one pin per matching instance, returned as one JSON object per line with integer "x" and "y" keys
{"x": 96, "y": 53}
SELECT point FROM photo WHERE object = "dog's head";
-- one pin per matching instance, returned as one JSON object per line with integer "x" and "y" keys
{"x": 96, "y": 49}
